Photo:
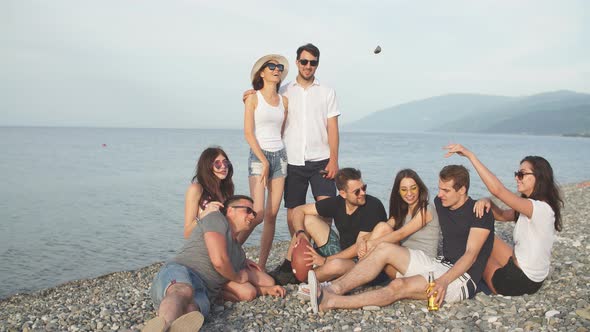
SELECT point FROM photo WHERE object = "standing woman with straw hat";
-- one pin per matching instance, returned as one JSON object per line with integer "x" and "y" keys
{"x": 264, "y": 122}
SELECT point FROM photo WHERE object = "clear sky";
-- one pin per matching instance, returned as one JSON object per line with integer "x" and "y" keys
{"x": 185, "y": 64}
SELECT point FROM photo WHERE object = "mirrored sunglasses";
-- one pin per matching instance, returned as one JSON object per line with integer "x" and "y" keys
{"x": 221, "y": 163}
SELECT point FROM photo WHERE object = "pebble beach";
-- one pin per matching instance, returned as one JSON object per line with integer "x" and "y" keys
{"x": 120, "y": 301}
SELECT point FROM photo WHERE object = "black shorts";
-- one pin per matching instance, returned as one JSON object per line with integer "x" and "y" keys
{"x": 511, "y": 281}
{"x": 299, "y": 178}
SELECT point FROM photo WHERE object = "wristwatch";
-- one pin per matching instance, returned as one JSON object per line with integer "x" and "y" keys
{"x": 299, "y": 231}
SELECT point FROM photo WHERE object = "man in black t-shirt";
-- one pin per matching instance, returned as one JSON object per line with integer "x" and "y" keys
{"x": 467, "y": 243}
{"x": 355, "y": 214}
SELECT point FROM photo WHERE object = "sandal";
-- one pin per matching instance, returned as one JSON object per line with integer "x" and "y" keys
{"x": 188, "y": 322}
{"x": 303, "y": 289}
{"x": 315, "y": 298}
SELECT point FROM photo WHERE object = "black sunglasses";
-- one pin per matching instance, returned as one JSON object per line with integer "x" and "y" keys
{"x": 271, "y": 66}
{"x": 520, "y": 174}
{"x": 357, "y": 192}
{"x": 312, "y": 63}
{"x": 249, "y": 210}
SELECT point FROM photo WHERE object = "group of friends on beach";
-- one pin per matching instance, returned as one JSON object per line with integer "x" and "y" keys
{"x": 292, "y": 131}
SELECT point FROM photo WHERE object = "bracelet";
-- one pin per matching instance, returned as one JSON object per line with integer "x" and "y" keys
{"x": 299, "y": 231}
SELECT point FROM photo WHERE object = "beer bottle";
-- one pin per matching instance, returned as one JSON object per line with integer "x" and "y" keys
{"x": 432, "y": 305}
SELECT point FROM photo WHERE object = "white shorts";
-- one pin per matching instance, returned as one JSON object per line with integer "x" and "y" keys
{"x": 420, "y": 264}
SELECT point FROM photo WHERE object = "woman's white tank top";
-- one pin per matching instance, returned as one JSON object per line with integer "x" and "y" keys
{"x": 268, "y": 121}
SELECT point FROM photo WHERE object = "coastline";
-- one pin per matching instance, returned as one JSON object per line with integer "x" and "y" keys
{"x": 120, "y": 301}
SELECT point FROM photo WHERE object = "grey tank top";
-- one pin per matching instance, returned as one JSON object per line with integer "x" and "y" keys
{"x": 426, "y": 238}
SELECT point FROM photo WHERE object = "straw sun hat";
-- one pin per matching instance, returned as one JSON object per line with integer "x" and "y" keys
{"x": 277, "y": 57}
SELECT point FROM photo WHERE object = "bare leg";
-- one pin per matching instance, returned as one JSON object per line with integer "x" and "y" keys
{"x": 368, "y": 268}
{"x": 403, "y": 288}
{"x": 316, "y": 228}
{"x": 236, "y": 292}
{"x": 379, "y": 230}
{"x": 326, "y": 220}
{"x": 334, "y": 269}
{"x": 259, "y": 278}
{"x": 257, "y": 194}
{"x": 177, "y": 302}
{"x": 290, "y": 221}
{"x": 273, "y": 203}
{"x": 501, "y": 252}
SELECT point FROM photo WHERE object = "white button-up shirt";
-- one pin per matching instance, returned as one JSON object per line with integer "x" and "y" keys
{"x": 306, "y": 131}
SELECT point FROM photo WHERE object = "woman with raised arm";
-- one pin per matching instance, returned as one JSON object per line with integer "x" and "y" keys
{"x": 264, "y": 122}
{"x": 537, "y": 212}
{"x": 211, "y": 185}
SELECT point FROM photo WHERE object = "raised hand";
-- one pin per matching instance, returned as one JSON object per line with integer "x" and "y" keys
{"x": 456, "y": 149}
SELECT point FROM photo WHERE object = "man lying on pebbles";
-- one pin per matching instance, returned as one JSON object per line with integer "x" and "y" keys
{"x": 211, "y": 262}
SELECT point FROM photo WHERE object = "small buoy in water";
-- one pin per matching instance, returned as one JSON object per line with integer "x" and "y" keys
{"x": 377, "y": 49}
{"x": 104, "y": 145}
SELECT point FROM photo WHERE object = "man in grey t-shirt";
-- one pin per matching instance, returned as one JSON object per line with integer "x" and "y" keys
{"x": 210, "y": 263}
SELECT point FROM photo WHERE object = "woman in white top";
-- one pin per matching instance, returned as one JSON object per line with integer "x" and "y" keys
{"x": 537, "y": 212}
{"x": 264, "y": 121}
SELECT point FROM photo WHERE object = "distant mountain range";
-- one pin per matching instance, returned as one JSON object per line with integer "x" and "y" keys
{"x": 552, "y": 113}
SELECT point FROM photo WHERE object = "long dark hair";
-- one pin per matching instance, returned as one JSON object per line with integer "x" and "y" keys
{"x": 213, "y": 188}
{"x": 398, "y": 208}
{"x": 545, "y": 189}
{"x": 258, "y": 82}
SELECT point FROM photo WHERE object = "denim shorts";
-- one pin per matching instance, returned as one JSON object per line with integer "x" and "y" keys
{"x": 277, "y": 164}
{"x": 172, "y": 273}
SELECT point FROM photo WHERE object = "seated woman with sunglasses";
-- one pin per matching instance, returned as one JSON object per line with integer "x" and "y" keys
{"x": 264, "y": 121}
{"x": 537, "y": 212}
{"x": 413, "y": 222}
{"x": 211, "y": 185}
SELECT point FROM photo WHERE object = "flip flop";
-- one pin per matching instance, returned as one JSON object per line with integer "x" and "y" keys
{"x": 193, "y": 321}
{"x": 156, "y": 324}
{"x": 315, "y": 298}
{"x": 303, "y": 289}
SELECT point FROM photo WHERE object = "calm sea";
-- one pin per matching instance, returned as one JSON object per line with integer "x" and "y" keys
{"x": 81, "y": 202}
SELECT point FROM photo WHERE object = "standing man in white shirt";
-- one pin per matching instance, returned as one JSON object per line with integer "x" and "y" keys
{"x": 311, "y": 134}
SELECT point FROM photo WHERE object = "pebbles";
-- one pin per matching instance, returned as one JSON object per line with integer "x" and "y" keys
{"x": 121, "y": 301}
